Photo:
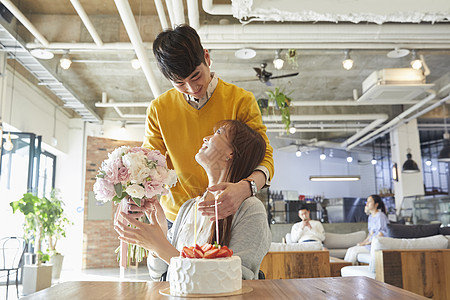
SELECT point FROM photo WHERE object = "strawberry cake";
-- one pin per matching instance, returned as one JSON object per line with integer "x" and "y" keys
{"x": 205, "y": 270}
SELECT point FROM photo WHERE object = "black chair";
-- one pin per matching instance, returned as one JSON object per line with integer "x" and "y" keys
{"x": 11, "y": 253}
{"x": 261, "y": 275}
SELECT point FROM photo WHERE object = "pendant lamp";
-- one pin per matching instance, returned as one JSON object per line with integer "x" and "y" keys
{"x": 410, "y": 166}
{"x": 444, "y": 154}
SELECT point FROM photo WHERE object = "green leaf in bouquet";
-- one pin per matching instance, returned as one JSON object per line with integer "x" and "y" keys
{"x": 137, "y": 201}
{"x": 116, "y": 199}
{"x": 118, "y": 189}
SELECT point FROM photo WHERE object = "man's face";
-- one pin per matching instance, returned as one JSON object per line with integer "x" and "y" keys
{"x": 196, "y": 84}
{"x": 304, "y": 214}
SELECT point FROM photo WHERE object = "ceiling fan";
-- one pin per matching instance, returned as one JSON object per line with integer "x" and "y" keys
{"x": 265, "y": 76}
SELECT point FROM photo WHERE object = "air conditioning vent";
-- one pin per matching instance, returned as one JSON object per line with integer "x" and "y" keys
{"x": 391, "y": 85}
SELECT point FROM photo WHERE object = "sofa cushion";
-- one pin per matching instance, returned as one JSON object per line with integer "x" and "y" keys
{"x": 363, "y": 258}
{"x": 308, "y": 246}
{"x": 445, "y": 230}
{"x": 386, "y": 243}
{"x": 412, "y": 231}
{"x": 343, "y": 240}
{"x": 357, "y": 271}
{"x": 338, "y": 253}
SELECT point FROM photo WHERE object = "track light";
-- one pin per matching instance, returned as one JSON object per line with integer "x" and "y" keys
{"x": 65, "y": 62}
{"x": 373, "y": 161}
{"x": 292, "y": 129}
{"x": 347, "y": 63}
{"x": 135, "y": 63}
{"x": 298, "y": 153}
{"x": 322, "y": 156}
{"x": 278, "y": 62}
{"x": 8, "y": 145}
{"x": 349, "y": 158}
{"x": 416, "y": 62}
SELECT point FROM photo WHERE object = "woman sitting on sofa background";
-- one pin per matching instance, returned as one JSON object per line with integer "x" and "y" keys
{"x": 377, "y": 226}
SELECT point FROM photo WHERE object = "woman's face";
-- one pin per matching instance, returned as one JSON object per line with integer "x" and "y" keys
{"x": 370, "y": 204}
{"x": 216, "y": 149}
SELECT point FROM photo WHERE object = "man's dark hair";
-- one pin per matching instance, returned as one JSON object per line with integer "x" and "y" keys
{"x": 303, "y": 206}
{"x": 178, "y": 52}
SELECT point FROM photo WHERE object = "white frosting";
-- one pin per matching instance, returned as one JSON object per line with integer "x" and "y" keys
{"x": 204, "y": 276}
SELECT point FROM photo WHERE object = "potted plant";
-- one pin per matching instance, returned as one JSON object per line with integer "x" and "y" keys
{"x": 35, "y": 277}
{"x": 55, "y": 229}
{"x": 44, "y": 221}
{"x": 282, "y": 102}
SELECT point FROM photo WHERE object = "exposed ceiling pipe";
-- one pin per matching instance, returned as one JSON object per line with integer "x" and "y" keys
{"x": 394, "y": 121}
{"x": 328, "y": 117}
{"x": 87, "y": 46}
{"x": 87, "y": 22}
{"x": 192, "y": 8}
{"x": 364, "y": 131}
{"x": 314, "y": 129}
{"x": 161, "y": 15}
{"x": 422, "y": 127}
{"x": 170, "y": 12}
{"x": 92, "y": 47}
{"x": 178, "y": 9}
{"x": 133, "y": 32}
{"x": 216, "y": 9}
{"x": 25, "y": 22}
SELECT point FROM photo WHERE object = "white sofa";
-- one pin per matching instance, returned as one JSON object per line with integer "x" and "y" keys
{"x": 337, "y": 243}
{"x": 387, "y": 243}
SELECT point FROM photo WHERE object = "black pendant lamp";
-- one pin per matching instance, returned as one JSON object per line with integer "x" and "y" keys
{"x": 410, "y": 166}
{"x": 444, "y": 155}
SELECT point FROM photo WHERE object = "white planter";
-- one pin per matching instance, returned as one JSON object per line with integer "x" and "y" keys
{"x": 36, "y": 278}
{"x": 56, "y": 260}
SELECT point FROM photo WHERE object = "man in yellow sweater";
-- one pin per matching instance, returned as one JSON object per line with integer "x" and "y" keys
{"x": 178, "y": 120}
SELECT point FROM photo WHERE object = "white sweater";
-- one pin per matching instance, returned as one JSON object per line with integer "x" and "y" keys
{"x": 300, "y": 234}
{"x": 250, "y": 237}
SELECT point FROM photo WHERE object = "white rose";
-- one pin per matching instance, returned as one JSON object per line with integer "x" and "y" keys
{"x": 118, "y": 153}
{"x": 135, "y": 191}
{"x": 137, "y": 166}
{"x": 171, "y": 178}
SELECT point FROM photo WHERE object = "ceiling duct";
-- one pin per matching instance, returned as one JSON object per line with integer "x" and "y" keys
{"x": 393, "y": 85}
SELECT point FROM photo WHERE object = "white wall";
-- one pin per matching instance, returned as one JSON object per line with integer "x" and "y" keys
{"x": 292, "y": 173}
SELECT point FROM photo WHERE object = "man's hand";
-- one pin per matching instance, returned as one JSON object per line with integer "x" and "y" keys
{"x": 231, "y": 196}
{"x": 306, "y": 224}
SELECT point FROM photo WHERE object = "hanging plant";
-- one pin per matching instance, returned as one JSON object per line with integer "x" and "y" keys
{"x": 291, "y": 57}
{"x": 282, "y": 102}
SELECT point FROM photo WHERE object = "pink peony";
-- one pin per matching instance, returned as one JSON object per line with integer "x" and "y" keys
{"x": 112, "y": 170}
{"x": 104, "y": 190}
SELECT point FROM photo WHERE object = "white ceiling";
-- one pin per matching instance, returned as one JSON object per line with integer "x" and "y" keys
{"x": 320, "y": 32}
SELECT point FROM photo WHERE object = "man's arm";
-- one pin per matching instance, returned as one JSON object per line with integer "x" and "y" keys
{"x": 235, "y": 193}
{"x": 153, "y": 136}
{"x": 296, "y": 232}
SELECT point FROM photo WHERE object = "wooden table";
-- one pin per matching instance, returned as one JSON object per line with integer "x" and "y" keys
{"x": 314, "y": 288}
{"x": 336, "y": 264}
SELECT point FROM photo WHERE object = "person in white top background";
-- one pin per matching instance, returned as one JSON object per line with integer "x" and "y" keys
{"x": 307, "y": 230}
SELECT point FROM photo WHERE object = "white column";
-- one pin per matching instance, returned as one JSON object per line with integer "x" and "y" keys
{"x": 408, "y": 184}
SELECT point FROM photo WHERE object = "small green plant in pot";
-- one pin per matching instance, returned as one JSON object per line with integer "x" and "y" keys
{"x": 282, "y": 102}
{"x": 44, "y": 220}
{"x": 33, "y": 208}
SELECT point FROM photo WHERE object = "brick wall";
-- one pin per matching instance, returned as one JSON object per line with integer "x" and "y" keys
{"x": 99, "y": 237}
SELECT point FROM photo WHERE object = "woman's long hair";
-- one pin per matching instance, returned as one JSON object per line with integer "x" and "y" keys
{"x": 377, "y": 199}
{"x": 249, "y": 149}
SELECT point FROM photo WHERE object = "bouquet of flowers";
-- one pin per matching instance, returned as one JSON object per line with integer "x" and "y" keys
{"x": 137, "y": 173}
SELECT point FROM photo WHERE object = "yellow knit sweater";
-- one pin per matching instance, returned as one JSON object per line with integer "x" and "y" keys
{"x": 176, "y": 128}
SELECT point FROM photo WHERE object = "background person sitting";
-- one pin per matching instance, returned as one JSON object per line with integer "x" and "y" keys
{"x": 307, "y": 230}
{"x": 376, "y": 225}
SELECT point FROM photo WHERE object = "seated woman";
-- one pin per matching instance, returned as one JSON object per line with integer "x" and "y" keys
{"x": 377, "y": 226}
{"x": 230, "y": 155}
